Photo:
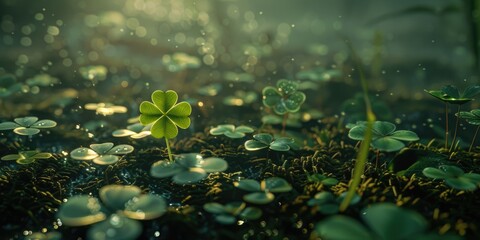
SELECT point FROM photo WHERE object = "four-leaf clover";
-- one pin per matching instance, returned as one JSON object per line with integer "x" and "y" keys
{"x": 27, "y": 125}
{"x": 165, "y": 114}
{"x": 283, "y": 99}
{"x": 103, "y": 154}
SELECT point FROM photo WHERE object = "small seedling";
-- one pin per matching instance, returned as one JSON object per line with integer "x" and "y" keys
{"x": 117, "y": 217}
{"x": 472, "y": 117}
{"x": 384, "y": 138}
{"x": 319, "y": 178}
{"x": 327, "y": 203}
{"x": 231, "y": 131}
{"x": 262, "y": 192}
{"x": 105, "y": 109}
{"x": 230, "y": 213}
{"x": 165, "y": 115}
{"x": 283, "y": 99}
{"x": 454, "y": 177}
{"x": 265, "y": 140}
{"x": 27, "y": 125}
{"x": 135, "y": 131}
{"x": 188, "y": 168}
{"x": 385, "y": 221}
{"x": 451, "y": 94}
{"x": 26, "y": 157}
{"x": 102, "y": 154}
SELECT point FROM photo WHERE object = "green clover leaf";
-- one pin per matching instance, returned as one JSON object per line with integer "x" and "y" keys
{"x": 283, "y": 99}
{"x": 165, "y": 114}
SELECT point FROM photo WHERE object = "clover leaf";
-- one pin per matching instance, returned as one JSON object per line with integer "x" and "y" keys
{"x": 283, "y": 99}
{"x": 26, "y": 157}
{"x": 454, "y": 177}
{"x": 231, "y": 212}
{"x": 265, "y": 140}
{"x": 165, "y": 114}
{"x": 385, "y": 221}
{"x": 384, "y": 138}
{"x": 262, "y": 192}
{"x": 327, "y": 203}
{"x": 117, "y": 217}
{"x": 451, "y": 94}
{"x": 27, "y": 125}
{"x": 188, "y": 168}
{"x": 102, "y": 154}
{"x": 231, "y": 131}
{"x": 135, "y": 131}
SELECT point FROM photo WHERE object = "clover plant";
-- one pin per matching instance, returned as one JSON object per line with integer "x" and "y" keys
{"x": 283, "y": 99}
{"x": 9, "y": 85}
{"x": 262, "y": 192}
{"x": 27, "y": 125}
{"x": 384, "y": 138}
{"x": 105, "y": 109}
{"x": 102, "y": 154}
{"x": 265, "y": 140}
{"x": 472, "y": 117}
{"x": 188, "y": 168}
{"x": 232, "y": 212}
{"x": 135, "y": 131}
{"x": 26, "y": 157}
{"x": 451, "y": 94}
{"x": 52, "y": 235}
{"x": 117, "y": 217}
{"x": 231, "y": 131}
{"x": 319, "y": 178}
{"x": 326, "y": 203}
{"x": 454, "y": 177}
{"x": 385, "y": 221}
{"x": 165, "y": 115}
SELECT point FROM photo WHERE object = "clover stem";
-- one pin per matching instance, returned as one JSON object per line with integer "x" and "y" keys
{"x": 456, "y": 128}
{"x": 473, "y": 140}
{"x": 284, "y": 123}
{"x": 168, "y": 150}
{"x": 446, "y": 125}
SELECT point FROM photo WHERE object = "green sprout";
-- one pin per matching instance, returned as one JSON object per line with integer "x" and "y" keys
{"x": 472, "y": 117}
{"x": 9, "y": 85}
{"x": 232, "y": 212}
{"x": 384, "y": 138}
{"x": 117, "y": 217}
{"x": 188, "y": 168}
{"x": 262, "y": 192}
{"x": 265, "y": 140}
{"x": 326, "y": 203}
{"x": 283, "y": 99}
{"x": 105, "y": 109}
{"x": 165, "y": 114}
{"x": 454, "y": 177}
{"x": 135, "y": 131}
{"x": 231, "y": 131}
{"x": 27, "y": 125}
{"x": 52, "y": 235}
{"x": 102, "y": 154}
{"x": 385, "y": 221}
{"x": 451, "y": 94}
{"x": 26, "y": 157}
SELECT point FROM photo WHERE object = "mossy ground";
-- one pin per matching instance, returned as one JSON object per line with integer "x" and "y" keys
{"x": 31, "y": 193}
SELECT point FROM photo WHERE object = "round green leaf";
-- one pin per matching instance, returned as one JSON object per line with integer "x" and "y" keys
{"x": 225, "y": 219}
{"x": 461, "y": 183}
{"x": 123, "y": 133}
{"x": 259, "y": 197}
{"x": 271, "y": 96}
{"x": 145, "y": 207}
{"x": 279, "y": 146}
{"x": 26, "y": 131}
{"x": 234, "y": 134}
{"x": 263, "y": 138}
{"x": 44, "y": 124}
{"x": 116, "y": 227}
{"x": 164, "y": 100}
{"x": 8, "y": 126}
{"x": 121, "y": 149}
{"x": 106, "y": 159}
{"x": 116, "y": 196}
{"x": 452, "y": 171}
{"x": 391, "y": 222}
{"x": 435, "y": 173}
{"x": 221, "y": 129}
{"x": 294, "y": 101}
{"x": 181, "y": 122}
{"x": 25, "y": 160}
{"x": 280, "y": 108}
{"x": 251, "y": 213}
{"x": 193, "y": 175}
{"x": 182, "y": 109}
{"x": 80, "y": 211}
{"x": 101, "y": 148}
{"x": 214, "y": 207}
{"x": 244, "y": 129}
{"x": 248, "y": 185}
{"x": 214, "y": 165}
{"x": 141, "y": 134}
{"x": 387, "y": 144}
{"x": 383, "y": 128}
{"x": 42, "y": 155}
{"x": 83, "y": 154}
{"x": 10, "y": 157}
{"x": 405, "y": 135}
{"x": 159, "y": 126}
{"x": 286, "y": 86}
{"x": 254, "y": 145}
{"x": 473, "y": 177}
{"x": 276, "y": 184}
{"x": 357, "y": 132}
{"x": 26, "y": 121}
{"x": 164, "y": 168}
{"x": 189, "y": 160}
{"x": 342, "y": 228}
{"x": 329, "y": 182}
{"x": 471, "y": 91}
